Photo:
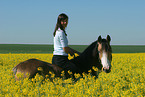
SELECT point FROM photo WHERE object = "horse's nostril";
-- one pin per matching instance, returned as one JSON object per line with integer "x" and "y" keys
{"x": 106, "y": 70}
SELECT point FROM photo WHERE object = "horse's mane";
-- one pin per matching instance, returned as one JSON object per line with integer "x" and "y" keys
{"x": 88, "y": 50}
{"x": 85, "y": 58}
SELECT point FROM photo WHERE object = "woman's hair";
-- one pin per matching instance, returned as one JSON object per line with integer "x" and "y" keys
{"x": 61, "y": 17}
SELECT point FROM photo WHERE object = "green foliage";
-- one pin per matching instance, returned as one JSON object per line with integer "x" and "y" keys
{"x": 37, "y": 48}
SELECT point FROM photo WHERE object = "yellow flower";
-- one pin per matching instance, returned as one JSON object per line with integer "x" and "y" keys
{"x": 126, "y": 79}
{"x": 69, "y": 72}
{"x": 95, "y": 68}
{"x": 40, "y": 69}
{"x": 25, "y": 91}
{"x": 90, "y": 71}
{"x": 62, "y": 73}
{"x": 77, "y": 75}
{"x": 52, "y": 75}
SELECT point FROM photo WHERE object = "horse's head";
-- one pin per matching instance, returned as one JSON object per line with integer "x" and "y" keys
{"x": 105, "y": 53}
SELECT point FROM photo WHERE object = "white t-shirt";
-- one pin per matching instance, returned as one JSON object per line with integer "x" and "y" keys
{"x": 60, "y": 41}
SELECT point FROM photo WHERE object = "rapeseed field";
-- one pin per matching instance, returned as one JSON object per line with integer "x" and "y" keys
{"x": 127, "y": 79}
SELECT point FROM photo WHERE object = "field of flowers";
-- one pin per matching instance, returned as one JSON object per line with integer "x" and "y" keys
{"x": 127, "y": 79}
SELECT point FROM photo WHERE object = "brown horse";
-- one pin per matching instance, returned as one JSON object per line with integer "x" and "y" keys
{"x": 98, "y": 54}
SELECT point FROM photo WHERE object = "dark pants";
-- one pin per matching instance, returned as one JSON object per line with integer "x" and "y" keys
{"x": 64, "y": 63}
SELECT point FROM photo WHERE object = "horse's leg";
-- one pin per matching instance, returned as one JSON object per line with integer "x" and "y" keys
{"x": 95, "y": 73}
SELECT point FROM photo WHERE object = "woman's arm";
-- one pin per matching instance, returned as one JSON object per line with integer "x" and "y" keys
{"x": 70, "y": 51}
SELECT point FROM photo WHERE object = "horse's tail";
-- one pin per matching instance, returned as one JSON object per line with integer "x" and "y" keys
{"x": 14, "y": 70}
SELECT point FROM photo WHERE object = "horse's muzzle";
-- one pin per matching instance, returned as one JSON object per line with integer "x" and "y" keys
{"x": 106, "y": 70}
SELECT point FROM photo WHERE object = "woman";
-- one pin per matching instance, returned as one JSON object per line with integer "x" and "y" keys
{"x": 61, "y": 48}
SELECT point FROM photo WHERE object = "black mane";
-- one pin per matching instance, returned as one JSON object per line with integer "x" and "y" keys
{"x": 85, "y": 60}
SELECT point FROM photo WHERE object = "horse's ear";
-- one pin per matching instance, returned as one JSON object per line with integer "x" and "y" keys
{"x": 100, "y": 39}
{"x": 108, "y": 38}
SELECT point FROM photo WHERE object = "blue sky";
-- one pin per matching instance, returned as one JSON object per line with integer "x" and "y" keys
{"x": 33, "y": 21}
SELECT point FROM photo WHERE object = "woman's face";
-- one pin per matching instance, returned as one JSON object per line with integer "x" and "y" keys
{"x": 64, "y": 23}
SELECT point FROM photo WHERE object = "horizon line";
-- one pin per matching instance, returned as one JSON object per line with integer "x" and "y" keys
{"x": 69, "y": 44}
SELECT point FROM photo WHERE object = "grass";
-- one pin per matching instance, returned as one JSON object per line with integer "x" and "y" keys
{"x": 128, "y": 48}
{"x": 36, "y": 48}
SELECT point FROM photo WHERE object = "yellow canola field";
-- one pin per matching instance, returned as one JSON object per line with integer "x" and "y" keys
{"x": 127, "y": 79}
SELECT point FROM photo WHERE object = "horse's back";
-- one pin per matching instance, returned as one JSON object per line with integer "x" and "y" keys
{"x": 31, "y": 66}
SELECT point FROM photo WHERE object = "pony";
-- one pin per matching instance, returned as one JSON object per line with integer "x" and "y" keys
{"x": 97, "y": 54}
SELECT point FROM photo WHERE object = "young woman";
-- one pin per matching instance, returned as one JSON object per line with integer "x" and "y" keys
{"x": 61, "y": 48}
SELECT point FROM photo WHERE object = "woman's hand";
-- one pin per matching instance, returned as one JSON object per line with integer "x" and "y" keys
{"x": 71, "y": 51}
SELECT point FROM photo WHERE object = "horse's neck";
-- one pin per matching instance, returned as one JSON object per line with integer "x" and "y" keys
{"x": 86, "y": 58}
